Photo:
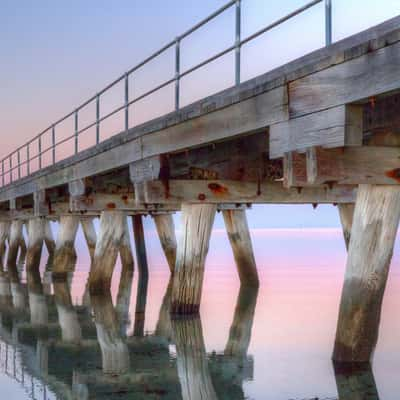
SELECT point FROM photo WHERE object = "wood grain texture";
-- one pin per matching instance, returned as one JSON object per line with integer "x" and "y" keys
{"x": 49, "y": 241}
{"x": 166, "y": 233}
{"x": 35, "y": 242}
{"x": 375, "y": 224}
{"x": 89, "y": 232}
{"x": 240, "y": 240}
{"x": 197, "y": 221}
{"x": 346, "y": 214}
{"x": 13, "y": 244}
{"x": 334, "y": 127}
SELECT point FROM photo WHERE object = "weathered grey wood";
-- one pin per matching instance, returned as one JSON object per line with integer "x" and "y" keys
{"x": 14, "y": 243}
{"x": 143, "y": 275}
{"x": 346, "y": 213}
{"x": 166, "y": 232}
{"x": 107, "y": 246}
{"x": 65, "y": 247}
{"x": 220, "y": 192}
{"x": 71, "y": 331}
{"x": 354, "y": 165}
{"x": 334, "y": 127}
{"x": 49, "y": 242}
{"x": 239, "y": 237}
{"x": 192, "y": 364}
{"x": 37, "y": 300}
{"x": 197, "y": 221}
{"x": 40, "y": 207}
{"x": 90, "y": 234}
{"x": 4, "y": 233}
{"x": 114, "y": 351}
{"x": 35, "y": 242}
{"x": 355, "y": 382}
{"x": 375, "y": 223}
{"x": 143, "y": 170}
{"x": 358, "y": 79}
{"x": 242, "y": 324}
{"x": 22, "y": 247}
{"x": 164, "y": 325}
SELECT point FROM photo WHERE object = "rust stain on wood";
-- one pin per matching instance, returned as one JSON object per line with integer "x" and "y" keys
{"x": 201, "y": 196}
{"x": 394, "y": 174}
{"x": 218, "y": 189}
{"x": 125, "y": 199}
{"x": 111, "y": 206}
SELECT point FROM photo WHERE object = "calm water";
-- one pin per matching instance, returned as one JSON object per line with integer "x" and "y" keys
{"x": 274, "y": 344}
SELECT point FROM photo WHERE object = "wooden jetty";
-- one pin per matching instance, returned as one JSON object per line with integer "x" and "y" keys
{"x": 321, "y": 129}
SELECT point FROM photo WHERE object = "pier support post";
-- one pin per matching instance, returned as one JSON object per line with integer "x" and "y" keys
{"x": 106, "y": 252}
{"x": 197, "y": 221}
{"x": 49, "y": 241}
{"x": 239, "y": 237}
{"x": 90, "y": 235}
{"x": 35, "y": 242}
{"x": 4, "y": 232}
{"x": 64, "y": 251}
{"x": 14, "y": 244}
{"x": 166, "y": 232}
{"x": 143, "y": 275}
{"x": 22, "y": 248}
{"x": 346, "y": 213}
{"x": 376, "y": 219}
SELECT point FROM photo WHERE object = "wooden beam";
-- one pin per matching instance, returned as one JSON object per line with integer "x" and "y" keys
{"x": 336, "y": 127}
{"x": 239, "y": 237}
{"x": 375, "y": 224}
{"x": 358, "y": 79}
{"x": 197, "y": 221}
{"x": 237, "y": 192}
{"x": 354, "y": 165}
{"x": 166, "y": 233}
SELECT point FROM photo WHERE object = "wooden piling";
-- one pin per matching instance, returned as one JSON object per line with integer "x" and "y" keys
{"x": 37, "y": 299}
{"x": 90, "y": 234}
{"x": 35, "y": 242}
{"x": 14, "y": 244}
{"x": 143, "y": 275}
{"x": 64, "y": 254}
{"x": 4, "y": 233}
{"x": 197, "y": 221}
{"x": 239, "y": 237}
{"x": 346, "y": 213}
{"x": 192, "y": 363}
{"x": 106, "y": 252}
{"x": 376, "y": 219}
{"x": 166, "y": 232}
{"x": 22, "y": 248}
{"x": 49, "y": 241}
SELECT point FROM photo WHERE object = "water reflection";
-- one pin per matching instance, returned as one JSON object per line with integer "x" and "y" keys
{"x": 79, "y": 352}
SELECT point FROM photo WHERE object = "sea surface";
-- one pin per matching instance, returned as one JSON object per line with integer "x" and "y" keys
{"x": 56, "y": 342}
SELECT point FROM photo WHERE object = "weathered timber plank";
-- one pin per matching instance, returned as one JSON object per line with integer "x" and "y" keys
{"x": 335, "y": 127}
{"x": 354, "y": 165}
{"x": 219, "y": 192}
{"x": 358, "y": 79}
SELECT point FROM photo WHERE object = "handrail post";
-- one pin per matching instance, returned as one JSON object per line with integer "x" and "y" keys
{"x": 53, "y": 142}
{"x": 19, "y": 164}
{"x": 28, "y": 170}
{"x": 126, "y": 102}
{"x": 10, "y": 161}
{"x": 98, "y": 119}
{"x": 177, "y": 72}
{"x": 328, "y": 22}
{"x": 76, "y": 131}
{"x": 237, "y": 41}
{"x": 40, "y": 151}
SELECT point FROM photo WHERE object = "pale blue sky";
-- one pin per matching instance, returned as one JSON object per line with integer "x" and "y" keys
{"x": 54, "y": 55}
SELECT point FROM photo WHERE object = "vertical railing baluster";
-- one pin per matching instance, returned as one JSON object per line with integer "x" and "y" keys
{"x": 126, "y": 102}
{"x": 40, "y": 151}
{"x": 53, "y": 142}
{"x": 177, "y": 72}
{"x": 97, "y": 119}
{"x": 10, "y": 161}
{"x": 237, "y": 41}
{"x": 19, "y": 164}
{"x": 76, "y": 131}
{"x": 28, "y": 169}
{"x": 328, "y": 22}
